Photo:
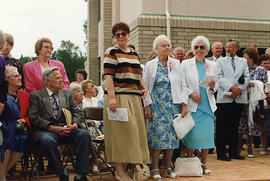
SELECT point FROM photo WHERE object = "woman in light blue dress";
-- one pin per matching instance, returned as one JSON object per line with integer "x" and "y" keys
{"x": 201, "y": 100}
{"x": 163, "y": 102}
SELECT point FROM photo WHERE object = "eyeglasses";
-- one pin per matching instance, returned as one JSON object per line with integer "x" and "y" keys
{"x": 48, "y": 47}
{"x": 123, "y": 34}
{"x": 196, "y": 47}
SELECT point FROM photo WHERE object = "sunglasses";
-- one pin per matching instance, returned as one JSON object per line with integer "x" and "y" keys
{"x": 123, "y": 34}
{"x": 196, "y": 47}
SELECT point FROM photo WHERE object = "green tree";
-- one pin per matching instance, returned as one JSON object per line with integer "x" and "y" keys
{"x": 26, "y": 59}
{"x": 71, "y": 56}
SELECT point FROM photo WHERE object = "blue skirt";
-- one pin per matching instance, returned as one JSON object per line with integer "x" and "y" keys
{"x": 202, "y": 134}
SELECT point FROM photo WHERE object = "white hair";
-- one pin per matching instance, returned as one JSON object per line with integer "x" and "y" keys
{"x": 267, "y": 50}
{"x": 48, "y": 72}
{"x": 75, "y": 87}
{"x": 2, "y": 40}
{"x": 216, "y": 42}
{"x": 158, "y": 39}
{"x": 178, "y": 48}
{"x": 9, "y": 70}
{"x": 200, "y": 39}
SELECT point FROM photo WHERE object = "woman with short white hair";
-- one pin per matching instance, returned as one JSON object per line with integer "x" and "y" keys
{"x": 162, "y": 79}
{"x": 201, "y": 100}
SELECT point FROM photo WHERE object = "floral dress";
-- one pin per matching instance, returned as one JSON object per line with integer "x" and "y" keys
{"x": 161, "y": 134}
{"x": 255, "y": 73}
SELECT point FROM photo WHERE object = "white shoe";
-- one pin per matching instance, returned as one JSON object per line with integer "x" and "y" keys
{"x": 155, "y": 175}
{"x": 169, "y": 173}
{"x": 205, "y": 170}
{"x": 250, "y": 156}
{"x": 263, "y": 152}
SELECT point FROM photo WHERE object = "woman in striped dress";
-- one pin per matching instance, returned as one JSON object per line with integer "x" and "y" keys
{"x": 125, "y": 142}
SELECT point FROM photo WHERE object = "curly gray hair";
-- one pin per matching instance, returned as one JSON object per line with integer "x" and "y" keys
{"x": 200, "y": 39}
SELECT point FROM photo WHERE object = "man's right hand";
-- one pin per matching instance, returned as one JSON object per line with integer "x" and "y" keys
{"x": 236, "y": 91}
{"x": 62, "y": 131}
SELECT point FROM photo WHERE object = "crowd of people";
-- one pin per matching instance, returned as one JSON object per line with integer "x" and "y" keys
{"x": 233, "y": 103}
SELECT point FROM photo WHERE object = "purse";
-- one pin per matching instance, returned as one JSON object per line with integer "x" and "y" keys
{"x": 183, "y": 125}
{"x": 188, "y": 167}
{"x": 21, "y": 128}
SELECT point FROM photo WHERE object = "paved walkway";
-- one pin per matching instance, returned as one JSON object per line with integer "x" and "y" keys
{"x": 255, "y": 169}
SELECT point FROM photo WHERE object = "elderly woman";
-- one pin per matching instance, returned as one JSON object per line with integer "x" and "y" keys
{"x": 88, "y": 89}
{"x": 9, "y": 60}
{"x": 15, "y": 111}
{"x": 162, "y": 77}
{"x": 33, "y": 70}
{"x": 125, "y": 88}
{"x": 251, "y": 54}
{"x": 3, "y": 86}
{"x": 78, "y": 94}
{"x": 260, "y": 73}
{"x": 80, "y": 75}
{"x": 201, "y": 100}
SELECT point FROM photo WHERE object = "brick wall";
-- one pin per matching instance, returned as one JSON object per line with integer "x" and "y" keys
{"x": 145, "y": 28}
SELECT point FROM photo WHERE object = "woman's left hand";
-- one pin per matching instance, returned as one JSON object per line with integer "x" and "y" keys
{"x": 212, "y": 84}
{"x": 143, "y": 93}
{"x": 184, "y": 110}
{"x": 21, "y": 121}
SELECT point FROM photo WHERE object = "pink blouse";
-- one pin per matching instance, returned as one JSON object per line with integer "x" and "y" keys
{"x": 33, "y": 75}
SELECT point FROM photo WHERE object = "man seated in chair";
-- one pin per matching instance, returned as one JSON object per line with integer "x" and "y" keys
{"x": 50, "y": 128}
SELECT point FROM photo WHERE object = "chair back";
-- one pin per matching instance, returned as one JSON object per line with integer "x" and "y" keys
{"x": 94, "y": 113}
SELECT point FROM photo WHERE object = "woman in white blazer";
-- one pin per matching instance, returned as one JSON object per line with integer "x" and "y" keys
{"x": 162, "y": 79}
{"x": 201, "y": 100}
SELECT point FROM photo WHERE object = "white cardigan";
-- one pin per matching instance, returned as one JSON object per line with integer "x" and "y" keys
{"x": 174, "y": 73}
{"x": 190, "y": 82}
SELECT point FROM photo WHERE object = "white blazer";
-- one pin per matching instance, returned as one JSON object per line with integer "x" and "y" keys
{"x": 174, "y": 73}
{"x": 227, "y": 77}
{"x": 190, "y": 82}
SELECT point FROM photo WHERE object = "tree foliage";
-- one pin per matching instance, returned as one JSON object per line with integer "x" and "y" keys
{"x": 71, "y": 56}
{"x": 26, "y": 59}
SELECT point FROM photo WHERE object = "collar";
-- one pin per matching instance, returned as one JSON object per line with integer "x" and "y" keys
{"x": 49, "y": 92}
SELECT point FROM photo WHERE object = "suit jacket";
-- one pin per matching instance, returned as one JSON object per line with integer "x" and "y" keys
{"x": 33, "y": 75}
{"x": 174, "y": 73}
{"x": 227, "y": 77}
{"x": 190, "y": 82}
{"x": 212, "y": 58}
{"x": 41, "y": 114}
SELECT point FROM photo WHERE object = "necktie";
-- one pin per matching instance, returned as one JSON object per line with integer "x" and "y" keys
{"x": 55, "y": 106}
{"x": 233, "y": 64}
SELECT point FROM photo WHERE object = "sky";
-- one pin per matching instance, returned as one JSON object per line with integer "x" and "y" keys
{"x": 29, "y": 20}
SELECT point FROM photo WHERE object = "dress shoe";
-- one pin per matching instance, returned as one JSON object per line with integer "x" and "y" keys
{"x": 82, "y": 178}
{"x": 237, "y": 157}
{"x": 63, "y": 178}
{"x": 223, "y": 158}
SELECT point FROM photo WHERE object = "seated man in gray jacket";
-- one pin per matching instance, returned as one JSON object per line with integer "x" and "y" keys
{"x": 50, "y": 128}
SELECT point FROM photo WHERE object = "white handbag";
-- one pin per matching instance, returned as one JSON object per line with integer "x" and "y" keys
{"x": 188, "y": 167}
{"x": 183, "y": 125}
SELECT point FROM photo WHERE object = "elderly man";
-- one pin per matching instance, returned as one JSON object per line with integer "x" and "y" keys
{"x": 233, "y": 79}
{"x": 216, "y": 50}
{"x": 50, "y": 128}
{"x": 179, "y": 53}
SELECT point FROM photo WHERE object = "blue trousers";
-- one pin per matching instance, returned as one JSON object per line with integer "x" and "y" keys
{"x": 81, "y": 140}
